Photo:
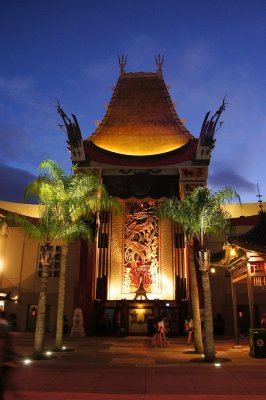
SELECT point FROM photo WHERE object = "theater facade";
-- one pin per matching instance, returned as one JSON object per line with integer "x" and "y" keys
{"x": 137, "y": 268}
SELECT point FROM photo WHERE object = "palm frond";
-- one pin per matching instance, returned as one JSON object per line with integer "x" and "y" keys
{"x": 53, "y": 169}
{"x": 200, "y": 212}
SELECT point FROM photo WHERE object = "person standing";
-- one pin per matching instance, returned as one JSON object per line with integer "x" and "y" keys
{"x": 189, "y": 329}
{"x": 263, "y": 321}
{"x": 162, "y": 333}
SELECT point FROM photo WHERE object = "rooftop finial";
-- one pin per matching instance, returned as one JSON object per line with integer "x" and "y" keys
{"x": 259, "y": 197}
{"x": 159, "y": 62}
{"x": 209, "y": 126}
{"x": 122, "y": 63}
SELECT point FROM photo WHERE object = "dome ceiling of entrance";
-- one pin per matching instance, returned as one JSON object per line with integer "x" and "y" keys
{"x": 140, "y": 119}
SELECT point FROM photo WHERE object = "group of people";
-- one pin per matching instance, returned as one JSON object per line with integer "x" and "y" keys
{"x": 158, "y": 330}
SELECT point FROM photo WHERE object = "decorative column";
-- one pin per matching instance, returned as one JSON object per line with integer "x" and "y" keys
{"x": 250, "y": 297}
{"x": 235, "y": 316}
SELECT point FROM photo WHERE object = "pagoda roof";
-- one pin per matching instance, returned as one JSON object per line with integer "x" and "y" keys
{"x": 254, "y": 239}
{"x": 140, "y": 119}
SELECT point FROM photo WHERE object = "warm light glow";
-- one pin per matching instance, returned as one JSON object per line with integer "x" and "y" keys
{"x": 165, "y": 280}
{"x": 1, "y": 264}
{"x": 232, "y": 252}
{"x": 217, "y": 364}
{"x": 122, "y": 141}
{"x": 213, "y": 270}
{"x": 64, "y": 348}
{"x": 48, "y": 353}
{"x": 27, "y": 361}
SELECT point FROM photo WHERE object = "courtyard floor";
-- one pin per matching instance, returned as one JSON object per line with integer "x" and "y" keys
{"x": 103, "y": 368}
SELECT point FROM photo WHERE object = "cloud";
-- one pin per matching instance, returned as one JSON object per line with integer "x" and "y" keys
{"x": 13, "y": 182}
{"x": 29, "y": 132}
{"x": 220, "y": 179}
{"x": 16, "y": 86}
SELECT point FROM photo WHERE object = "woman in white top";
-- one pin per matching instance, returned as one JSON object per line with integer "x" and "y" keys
{"x": 161, "y": 332}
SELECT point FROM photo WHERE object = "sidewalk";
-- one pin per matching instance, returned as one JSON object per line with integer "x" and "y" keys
{"x": 128, "y": 369}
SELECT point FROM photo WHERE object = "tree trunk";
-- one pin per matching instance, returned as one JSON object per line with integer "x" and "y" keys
{"x": 41, "y": 313}
{"x": 61, "y": 298}
{"x": 209, "y": 350}
{"x": 195, "y": 304}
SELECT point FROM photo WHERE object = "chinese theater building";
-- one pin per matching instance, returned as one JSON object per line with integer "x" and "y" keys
{"x": 137, "y": 269}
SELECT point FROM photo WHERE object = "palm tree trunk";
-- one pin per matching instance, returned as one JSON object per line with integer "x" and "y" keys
{"x": 209, "y": 350}
{"x": 61, "y": 298}
{"x": 41, "y": 314}
{"x": 195, "y": 304}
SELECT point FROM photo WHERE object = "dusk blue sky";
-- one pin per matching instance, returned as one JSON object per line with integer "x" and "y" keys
{"x": 67, "y": 50}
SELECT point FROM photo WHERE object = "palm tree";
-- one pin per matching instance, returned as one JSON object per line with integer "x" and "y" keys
{"x": 68, "y": 204}
{"x": 177, "y": 211}
{"x": 75, "y": 200}
{"x": 46, "y": 230}
{"x": 199, "y": 214}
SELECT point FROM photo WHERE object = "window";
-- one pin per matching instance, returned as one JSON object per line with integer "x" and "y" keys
{"x": 54, "y": 268}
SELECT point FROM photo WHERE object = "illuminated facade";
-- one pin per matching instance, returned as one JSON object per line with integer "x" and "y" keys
{"x": 137, "y": 268}
{"x": 144, "y": 153}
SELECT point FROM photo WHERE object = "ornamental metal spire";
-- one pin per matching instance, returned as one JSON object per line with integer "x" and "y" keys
{"x": 259, "y": 197}
{"x": 159, "y": 62}
{"x": 122, "y": 63}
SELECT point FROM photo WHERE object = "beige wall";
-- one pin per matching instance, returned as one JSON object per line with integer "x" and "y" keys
{"x": 30, "y": 210}
{"x": 19, "y": 261}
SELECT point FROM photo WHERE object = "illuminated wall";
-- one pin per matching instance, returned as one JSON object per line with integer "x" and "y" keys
{"x": 141, "y": 251}
{"x": 141, "y": 248}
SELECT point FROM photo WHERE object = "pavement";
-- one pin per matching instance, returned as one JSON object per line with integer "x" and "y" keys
{"x": 108, "y": 368}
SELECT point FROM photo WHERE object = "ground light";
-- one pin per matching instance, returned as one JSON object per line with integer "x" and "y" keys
{"x": 62, "y": 349}
{"x": 27, "y": 361}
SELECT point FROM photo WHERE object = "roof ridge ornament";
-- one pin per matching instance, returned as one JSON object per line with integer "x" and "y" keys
{"x": 209, "y": 126}
{"x": 259, "y": 201}
{"x": 72, "y": 128}
{"x": 122, "y": 63}
{"x": 159, "y": 59}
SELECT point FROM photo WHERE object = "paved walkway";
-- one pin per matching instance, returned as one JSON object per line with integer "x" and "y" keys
{"x": 128, "y": 369}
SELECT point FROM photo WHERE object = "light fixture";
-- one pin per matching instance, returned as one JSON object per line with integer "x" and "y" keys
{"x": 213, "y": 270}
{"x": 27, "y": 361}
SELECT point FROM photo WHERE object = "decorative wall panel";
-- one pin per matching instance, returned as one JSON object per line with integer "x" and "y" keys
{"x": 141, "y": 248}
